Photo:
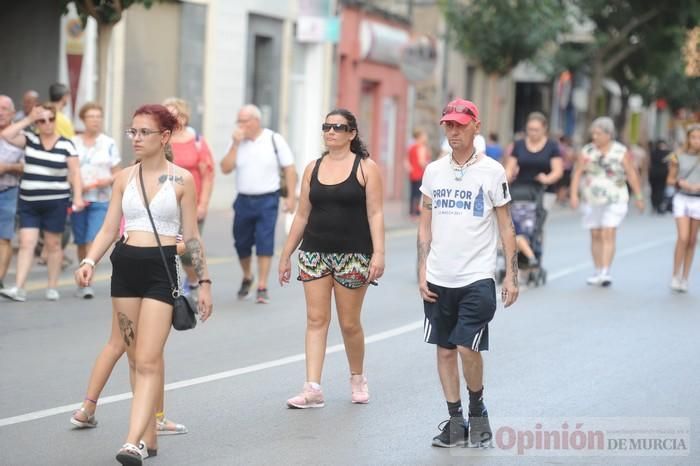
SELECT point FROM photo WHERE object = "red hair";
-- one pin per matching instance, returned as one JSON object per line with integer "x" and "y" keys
{"x": 162, "y": 116}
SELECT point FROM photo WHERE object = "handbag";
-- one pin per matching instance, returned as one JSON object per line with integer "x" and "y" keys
{"x": 184, "y": 307}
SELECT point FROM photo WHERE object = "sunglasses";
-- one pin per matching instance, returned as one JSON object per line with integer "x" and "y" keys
{"x": 458, "y": 109}
{"x": 336, "y": 127}
{"x": 43, "y": 121}
{"x": 142, "y": 132}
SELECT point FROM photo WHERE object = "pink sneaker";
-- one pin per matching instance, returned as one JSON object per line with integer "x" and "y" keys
{"x": 360, "y": 392}
{"x": 309, "y": 398}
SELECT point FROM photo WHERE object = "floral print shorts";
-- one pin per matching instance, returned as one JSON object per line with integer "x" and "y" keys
{"x": 351, "y": 270}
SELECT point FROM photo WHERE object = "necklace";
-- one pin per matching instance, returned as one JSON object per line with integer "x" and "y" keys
{"x": 459, "y": 169}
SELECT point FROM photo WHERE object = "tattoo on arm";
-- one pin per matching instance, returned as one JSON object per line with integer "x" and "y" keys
{"x": 194, "y": 248}
{"x": 423, "y": 251}
{"x": 126, "y": 328}
{"x": 514, "y": 268}
{"x": 428, "y": 205}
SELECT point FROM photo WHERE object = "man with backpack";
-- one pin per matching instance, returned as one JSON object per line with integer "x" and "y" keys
{"x": 262, "y": 160}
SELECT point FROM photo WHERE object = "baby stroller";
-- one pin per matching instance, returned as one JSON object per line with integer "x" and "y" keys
{"x": 529, "y": 216}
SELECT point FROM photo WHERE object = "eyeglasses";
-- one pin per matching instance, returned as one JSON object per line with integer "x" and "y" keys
{"x": 458, "y": 109}
{"x": 336, "y": 127}
{"x": 143, "y": 132}
{"x": 43, "y": 121}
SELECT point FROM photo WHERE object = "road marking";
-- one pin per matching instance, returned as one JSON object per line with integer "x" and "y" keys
{"x": 391, "y": 333}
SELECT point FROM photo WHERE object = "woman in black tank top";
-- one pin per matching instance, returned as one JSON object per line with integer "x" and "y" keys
{"x": 340, "y": 225}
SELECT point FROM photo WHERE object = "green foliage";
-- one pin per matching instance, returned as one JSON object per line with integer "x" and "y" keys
{"x": 501, "y": 33}
{"x": 105, "y": 12}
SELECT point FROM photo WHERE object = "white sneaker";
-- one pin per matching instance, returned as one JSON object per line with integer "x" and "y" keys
{"x": 605, "y": 280}
{"x": 85, "y": 293}
{"x": 676, "y": 284}
{"x": 52, "y": 294}
{"x": 684, "y": 286}
{"x": 595, "y": 280}
{"x": 14, "y": 293}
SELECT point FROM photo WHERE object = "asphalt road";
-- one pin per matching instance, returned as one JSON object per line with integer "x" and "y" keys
{"x": 626, "y": 357}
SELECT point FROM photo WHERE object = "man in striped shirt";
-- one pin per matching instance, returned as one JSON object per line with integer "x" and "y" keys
{"x": 51, "y": 168}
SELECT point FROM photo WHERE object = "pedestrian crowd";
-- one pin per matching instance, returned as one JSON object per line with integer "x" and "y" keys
{"x": 477, "y": 201}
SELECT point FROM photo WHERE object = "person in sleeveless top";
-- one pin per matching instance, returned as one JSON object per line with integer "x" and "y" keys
{"x": 603, "y": 169}
{"x": 684, "y": 174}
{"x": 340, "y": 224}
{"x": 142, "y": 299}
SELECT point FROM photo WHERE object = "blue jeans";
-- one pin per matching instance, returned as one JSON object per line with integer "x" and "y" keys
{"x": 254, "y": 220}
{"x": 8, "y": 209}
{"x": 88, "y": 222}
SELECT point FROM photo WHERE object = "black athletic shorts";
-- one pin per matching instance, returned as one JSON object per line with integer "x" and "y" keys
{"x": 460, "y": 316}
{"x": 138, "y": 272}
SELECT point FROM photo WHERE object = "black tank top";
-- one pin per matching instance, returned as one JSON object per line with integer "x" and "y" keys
{"x": 338, "y": 219}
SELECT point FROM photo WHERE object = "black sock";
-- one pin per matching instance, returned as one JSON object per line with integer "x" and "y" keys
{"x": 476, "y": 402}
{"x": 455, "y": 408}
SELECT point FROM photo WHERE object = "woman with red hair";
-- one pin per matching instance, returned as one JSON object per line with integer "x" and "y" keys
{"x": 142, "y": 298}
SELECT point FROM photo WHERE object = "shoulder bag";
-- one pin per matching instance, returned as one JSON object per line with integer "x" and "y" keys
{"x": 184, "y": 307}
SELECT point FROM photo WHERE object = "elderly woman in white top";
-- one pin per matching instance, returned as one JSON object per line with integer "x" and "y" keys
{"x": 603, "y": 169}
{"x": 99, "y": 162}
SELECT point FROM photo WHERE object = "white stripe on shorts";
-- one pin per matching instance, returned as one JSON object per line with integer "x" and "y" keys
{"x": 428, "y": 328}
{"x": 477, "y": 339}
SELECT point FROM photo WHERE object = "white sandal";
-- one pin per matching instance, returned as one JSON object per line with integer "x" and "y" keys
{"x": 163, "y": 429}
{"x": 91, "y": 421}
{"x": 130, "y": 455}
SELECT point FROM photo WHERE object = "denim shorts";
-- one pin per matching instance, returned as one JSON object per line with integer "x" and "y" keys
{"x": 350, "y": 270}
{"x": 88, "y": 222}
{"x": 45, "y": 215}
{"x": 254, "y": 220}
{"x": 8, "y": 210}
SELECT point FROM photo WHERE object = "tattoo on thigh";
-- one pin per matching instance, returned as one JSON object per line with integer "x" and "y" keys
{"x": 126, "y": 328}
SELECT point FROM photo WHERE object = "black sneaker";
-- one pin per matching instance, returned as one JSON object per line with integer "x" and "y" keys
{"x": 245, "y": 288}
{"x": 455, "y": 433}
{"x": 480, "y": 434}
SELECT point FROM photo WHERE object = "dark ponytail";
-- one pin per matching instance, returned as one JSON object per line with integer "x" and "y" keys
{"x": 357, "y": 147}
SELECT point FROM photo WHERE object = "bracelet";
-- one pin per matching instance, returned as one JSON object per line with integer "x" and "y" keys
{"x": 204, "y": 280}
{"x": 87, "y": 261}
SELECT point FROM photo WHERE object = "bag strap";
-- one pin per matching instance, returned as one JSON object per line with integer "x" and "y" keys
{"x": 277, "y": 154}
{"x": 176, "y": 290}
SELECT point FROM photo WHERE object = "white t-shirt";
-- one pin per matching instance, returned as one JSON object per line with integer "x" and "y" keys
{"x": 464, "y": 227}
{"x": 257, "y": 167}
{"x": 479, "y": 145}
{"x": 96, "y": 163}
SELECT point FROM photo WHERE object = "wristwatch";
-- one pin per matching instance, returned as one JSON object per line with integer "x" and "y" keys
{"x": 87, "y": 261}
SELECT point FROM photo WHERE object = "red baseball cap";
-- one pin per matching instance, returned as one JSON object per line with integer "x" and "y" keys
{"x": 461, "y": 111}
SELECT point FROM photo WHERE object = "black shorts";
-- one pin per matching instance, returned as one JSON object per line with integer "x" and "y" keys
{"x": 460, "y": 316}
{"x": 138, "y": 272}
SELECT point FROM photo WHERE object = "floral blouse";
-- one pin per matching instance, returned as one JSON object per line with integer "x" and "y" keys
{"x": 604, "y": 180}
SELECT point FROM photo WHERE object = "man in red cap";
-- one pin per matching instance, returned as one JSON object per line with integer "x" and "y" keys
{"x": 465, "y": 207}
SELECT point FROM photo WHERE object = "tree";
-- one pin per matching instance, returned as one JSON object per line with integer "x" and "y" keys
{"x": 632, "y": 40}
{"x": 499, "y": 34}
{"x": 107, "y": 13}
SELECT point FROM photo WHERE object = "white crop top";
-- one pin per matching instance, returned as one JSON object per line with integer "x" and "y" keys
{"x": 164, "y": 207}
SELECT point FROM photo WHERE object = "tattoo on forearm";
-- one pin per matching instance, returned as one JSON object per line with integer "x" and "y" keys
{"x": 428, "y": 205}
{"x": 514, "y": 268}
{"x": 126, "y": 328}
{"x": 423, "y": 251}
{"x": 175, "y": 179}
{"x": 194, "y": 248}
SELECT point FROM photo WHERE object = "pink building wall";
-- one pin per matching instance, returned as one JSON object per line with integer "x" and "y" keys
{"x": 387, "y": 82}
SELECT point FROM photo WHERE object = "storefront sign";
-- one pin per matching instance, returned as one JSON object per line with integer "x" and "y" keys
{"x": 418, "y": 58}
{"x": 382, "y": 43}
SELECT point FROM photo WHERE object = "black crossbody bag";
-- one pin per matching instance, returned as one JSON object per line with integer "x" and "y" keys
{"x": 184, "y": 307}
